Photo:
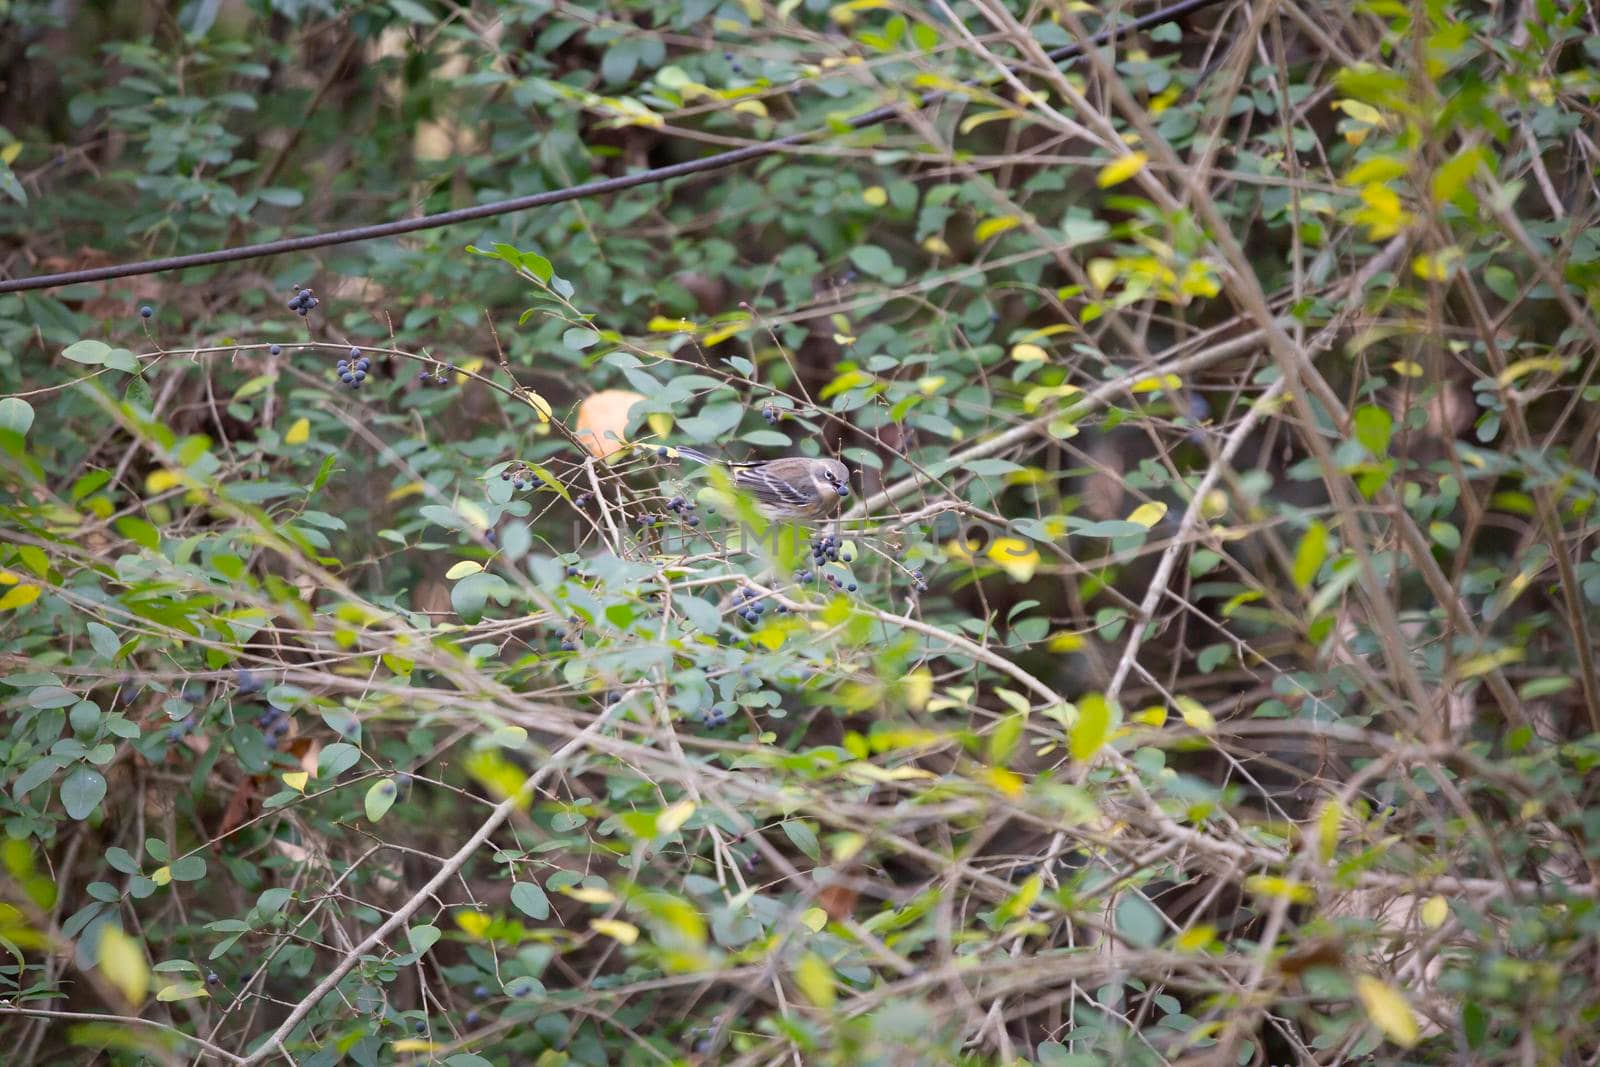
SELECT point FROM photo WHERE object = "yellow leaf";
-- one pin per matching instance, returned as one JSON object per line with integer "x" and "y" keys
{"x": 1328, "y": 822}
{"x": 409, "y": 489}
{"x": 296, "y": 780}
{"x": 1436, "y": 266}
{"x": 1524, "y": 366}
{"x": 1408, "y": 368}
{"x": 917, "y": 687}
{"x": 1092, "y": 727}
{"x": 1015, "y": 556}
{"x": 616, "y": 929}
{"x": 752, "y": 107}
{"x": 590, "y": 895}
{"x": 159, "y": 481}
{"x": 1029, "y": 353}
{"x": 462, "y": 569}
{"x": 1268, "y": 885}
{"x": 1120, "y": 170}
{"x": 875, "y": 195}
{"x": 672, "y": 818}
{"x": 413, "y": 1044}
{"x": 814, "y": 919}
{"x": 1195, "y": 714}
{"x": 660, "y": 324}
{"x": 122, "y": 961}
{"x": 161, "y": 876}
{"x": 1152, "y": 716}
{"x": 299, "y": 433}
{"x": 1102, "y": 272}
{"x": 19, "y": 596}
{"x": 9, "y": 154}
{"x": 1065, "y": 641}
{"x": 845, "y": 13}
{"x": 1387, "y": 1010}
{"x": 1434, "y": 912}
{"x": 972, "y": 122}
{"x": 1147, "y": 515}
{"x": 184, "y": 990}
{"x": 1195, "y": 938}
{"x": 995, "y": 227}
{"x": 815, "y": 979}
{"x": 538, "y": 403}
{"x": 1168, "y": 382}
{"x": 936, "y": 246}
{"x": 473, "y": 923}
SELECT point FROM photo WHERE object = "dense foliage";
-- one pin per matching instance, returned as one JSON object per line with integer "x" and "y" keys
{"x": 1203, "y": 668}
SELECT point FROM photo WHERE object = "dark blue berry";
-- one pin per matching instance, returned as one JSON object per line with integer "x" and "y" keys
{"x": 211, "y": 978}
{"x": 146, "y": 311}
{"x": 488, "y": 535}
{"x": 422, "y": 1026}
{"x": 363, "y": 363}
{"x": 347, "y": 378}
{"x": 480, "y": 991}
{"x": 301, "y": 311}
{"x": 851, "y": 587}
{"x": 694, "y": 520}
{"x": 360, "y": 376}
{"x": 505, "y": 475}
{"x": 661, "y": 452}
{"x": 355, "y": 353}
{"x": 471, "y": 1019}
{"x": 275, "y": 350}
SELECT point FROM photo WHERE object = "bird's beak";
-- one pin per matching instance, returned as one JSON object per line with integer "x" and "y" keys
{"x": 844, "y": 488}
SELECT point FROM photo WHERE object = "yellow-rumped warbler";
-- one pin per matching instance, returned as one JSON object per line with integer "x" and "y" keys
{"x": 790, "y": 488}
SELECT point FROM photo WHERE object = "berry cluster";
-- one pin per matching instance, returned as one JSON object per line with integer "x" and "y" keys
{"x": 247, "y": 682}
{"x": 302, "y": 302}
{"x": 581, "y": 500}
{"x": 839, "y": 583}
{"x": 519, "y": 475}
{"x": 750, "y": 605}
{"x": 683, "y": 507}
{"x": 714, "y": 717}
{"x": 274, "y": 722}
{"x": 918, "y": 582}
{"x": 571, "y": 638}
{"x": 771, "y": 413}
{"x": 825, "y": 549}
{"x": 439, "y": 378}
{"x": 353, "y": 371}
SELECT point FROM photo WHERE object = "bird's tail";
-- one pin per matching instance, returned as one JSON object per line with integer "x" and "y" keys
{"x": 694, "y": 454}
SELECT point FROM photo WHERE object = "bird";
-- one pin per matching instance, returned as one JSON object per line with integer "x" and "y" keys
{"x": 793, "y": 487}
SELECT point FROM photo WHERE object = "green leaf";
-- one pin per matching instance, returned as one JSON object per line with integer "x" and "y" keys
{"x": 82, "y": 792}
{"x": 92, "y": 353}
{"x": 336, "y": 759}
{"x": 104, "y": 640}
{"x": 531, "y": 900}
{"x": 380, "y": 798}
{"x": 188, "y": 869}
{"x": 870, "y": 259}
{"x": 1373, "y": 427}
{"x": 1310, "y": 554}
{"x": 804, "y": 838}
{"x": 422, "y": 938}
{"x": 16, "y": 415}
{"x": 1092, "y": 727}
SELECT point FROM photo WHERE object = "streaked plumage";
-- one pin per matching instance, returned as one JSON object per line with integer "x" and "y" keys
{"x": 793, "y": 487}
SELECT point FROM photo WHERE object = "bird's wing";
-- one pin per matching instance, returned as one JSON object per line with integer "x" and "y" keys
{"x": 771, "y": 491}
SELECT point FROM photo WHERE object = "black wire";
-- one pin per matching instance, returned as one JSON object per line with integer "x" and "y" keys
{"x": 554, "y": 196}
